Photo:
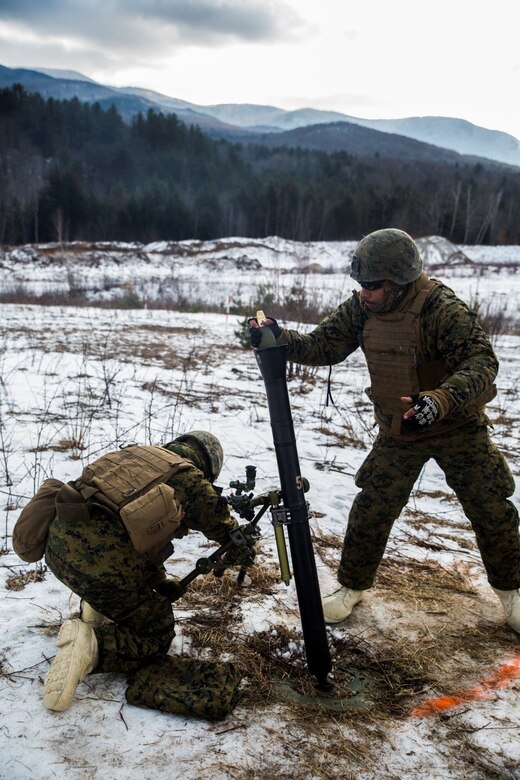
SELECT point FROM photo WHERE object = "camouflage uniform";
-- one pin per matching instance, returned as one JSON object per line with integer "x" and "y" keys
{"x": 473, "y": 466}
{"x": 96, "y": 559}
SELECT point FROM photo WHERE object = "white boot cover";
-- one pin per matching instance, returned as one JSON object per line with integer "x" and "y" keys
{"x": 77, "y": 656}
{"x": 511, "y": 603}
{"x": 340, "y": 604}
{"x": 90, "y": 615}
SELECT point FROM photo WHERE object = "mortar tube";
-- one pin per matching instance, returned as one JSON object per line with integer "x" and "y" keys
{"x": 272, "y": 363}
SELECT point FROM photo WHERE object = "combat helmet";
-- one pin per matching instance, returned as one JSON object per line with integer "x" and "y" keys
{"x": 386, "y": 254}
{"x": 208, "y": 447}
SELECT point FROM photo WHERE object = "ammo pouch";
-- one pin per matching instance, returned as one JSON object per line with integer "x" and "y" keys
{"x": 186, "y": 686}
{"x": 132, "y": 483}
{"x": 70, "y": 506}
{"x": 151, "y": 520}
{"x": 32, "y": 527}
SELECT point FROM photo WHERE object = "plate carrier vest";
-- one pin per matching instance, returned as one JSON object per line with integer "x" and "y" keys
{"x": 395, "y": 358}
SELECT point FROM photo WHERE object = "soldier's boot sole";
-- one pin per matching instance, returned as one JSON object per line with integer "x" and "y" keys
{"x": 77, "y": 656}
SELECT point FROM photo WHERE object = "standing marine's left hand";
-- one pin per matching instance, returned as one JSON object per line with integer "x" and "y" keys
{"x": 423, "y": 412}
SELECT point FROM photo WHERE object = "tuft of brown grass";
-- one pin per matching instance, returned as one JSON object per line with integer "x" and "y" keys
{"x": 23, "y": 578}
{"x": 63, "y": 445}
{"x": 341, "y": 438}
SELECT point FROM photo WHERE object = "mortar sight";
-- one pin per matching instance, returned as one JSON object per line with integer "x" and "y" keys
{"x": 250, "y": 482}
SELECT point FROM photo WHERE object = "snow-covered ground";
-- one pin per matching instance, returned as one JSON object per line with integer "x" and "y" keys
{"x": 76, "y": 382}
{"x": 234, "y": 271}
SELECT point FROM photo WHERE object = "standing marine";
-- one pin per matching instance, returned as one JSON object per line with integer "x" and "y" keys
{"x": 432, "y": 369}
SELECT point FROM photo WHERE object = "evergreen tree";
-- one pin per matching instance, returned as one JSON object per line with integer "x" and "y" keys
{"x": 72, "y": 170}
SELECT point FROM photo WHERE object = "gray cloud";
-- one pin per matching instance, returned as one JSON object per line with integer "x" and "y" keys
{"x": 238, "y": 18}
{"x": 153, "y": 25}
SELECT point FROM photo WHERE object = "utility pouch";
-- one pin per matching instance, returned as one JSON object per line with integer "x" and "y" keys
{"x": 186, "y": 686}
{"x": 119, "y": 478}
{"x": 70, "y": 506}
{"x": 152, "y": 519}
{"x": 32, "y": 527}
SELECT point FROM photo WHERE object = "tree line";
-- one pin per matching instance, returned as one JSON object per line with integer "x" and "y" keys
{"x": 74, "y": 171}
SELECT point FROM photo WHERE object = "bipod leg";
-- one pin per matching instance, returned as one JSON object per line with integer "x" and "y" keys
{"x": 206, "y": 565}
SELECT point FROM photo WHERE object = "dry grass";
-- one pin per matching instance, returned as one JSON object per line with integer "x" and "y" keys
{"x": 63, "y": 445}
{"x": 340, "y": 438}
{"x": 404, "y": 665}
{"x": 415, "y": 518}
{"x": 328, "y": 546}
{"x": 20, "y": 580}
{"x": 278, "y": 654}
{"x": 444, "y": 637}
{"x": 441, "y": 645}
{"x": 441, "y": 494}
{"x": 441, "y": 641}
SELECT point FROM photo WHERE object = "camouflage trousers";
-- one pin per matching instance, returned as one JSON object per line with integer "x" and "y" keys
{"x": 95, "y": 558}
{"x": 475, "y": 470}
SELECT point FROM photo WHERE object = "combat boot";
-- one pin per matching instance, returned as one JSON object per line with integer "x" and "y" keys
{"x": 90, "y": 615}
{"x": 77, "y": 656}
{"x": 339, "y": 604}
{"x": 511, "y": 603}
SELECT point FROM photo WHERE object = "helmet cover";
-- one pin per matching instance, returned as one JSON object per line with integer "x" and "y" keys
{"x": 388, "y": 254}
{"x": 209, "y": 448}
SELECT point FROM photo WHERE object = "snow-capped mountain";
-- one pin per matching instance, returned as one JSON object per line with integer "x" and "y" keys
{"x": 228, "y": 119}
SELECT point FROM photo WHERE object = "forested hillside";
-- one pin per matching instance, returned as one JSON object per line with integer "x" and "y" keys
{"x": 72, "y": 171}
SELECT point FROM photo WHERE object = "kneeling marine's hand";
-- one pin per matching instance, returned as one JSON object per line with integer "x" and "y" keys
{"x": 171, "y": 588}
{"x": 242, "y": 554}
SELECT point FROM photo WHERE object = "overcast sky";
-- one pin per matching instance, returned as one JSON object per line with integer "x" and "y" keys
{"x": 366, "y": 58}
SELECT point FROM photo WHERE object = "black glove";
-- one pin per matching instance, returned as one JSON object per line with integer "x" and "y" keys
{"x": 237, "y": 555}
{"x": 255, "y": 334}
{"x": 171, "y": 588}
{"x": 427, "y": 412}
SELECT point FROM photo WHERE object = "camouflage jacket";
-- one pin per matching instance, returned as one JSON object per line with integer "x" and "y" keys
{"x": 449, "y": 331}
{"x": 204, "y": 510}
